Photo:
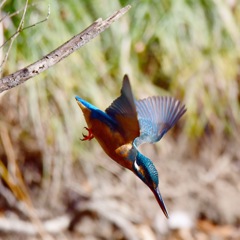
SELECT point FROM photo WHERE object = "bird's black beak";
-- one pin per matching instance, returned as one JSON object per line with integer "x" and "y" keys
{"x": 160, "y": 201}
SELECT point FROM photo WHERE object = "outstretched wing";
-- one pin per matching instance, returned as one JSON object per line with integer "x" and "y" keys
{"x": 123, "y": 110}
{"x": 156, "y": 116}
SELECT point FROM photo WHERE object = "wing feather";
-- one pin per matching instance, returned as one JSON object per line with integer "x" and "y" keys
{"x": 156, "y": 116}
{"x": 123, "y": 110}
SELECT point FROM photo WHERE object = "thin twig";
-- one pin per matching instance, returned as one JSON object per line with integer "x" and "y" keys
{"x": 14, "y": 35}
{"x": 21, "y": 29}
{"x": 8, "y": 15}
{"x": 60, "y": 53}
{"x": 2, "y": 3}
{"x": 35, "y": 24}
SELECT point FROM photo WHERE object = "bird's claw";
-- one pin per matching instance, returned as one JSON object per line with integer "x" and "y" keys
{"x": 88, "y": 137}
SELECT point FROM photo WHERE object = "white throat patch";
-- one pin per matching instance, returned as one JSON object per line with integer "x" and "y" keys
{"x": 136, "y": 165}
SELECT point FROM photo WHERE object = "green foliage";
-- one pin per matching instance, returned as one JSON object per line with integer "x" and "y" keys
{"x": 189, "y": 49}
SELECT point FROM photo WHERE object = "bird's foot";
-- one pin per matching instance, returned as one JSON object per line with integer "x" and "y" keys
{"x": 88, "y": 137}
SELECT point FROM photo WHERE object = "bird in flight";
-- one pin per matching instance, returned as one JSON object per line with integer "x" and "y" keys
{"x": 126, "y": 124}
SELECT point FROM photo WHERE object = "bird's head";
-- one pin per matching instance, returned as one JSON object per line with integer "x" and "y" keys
{"x": 146, "y": 171}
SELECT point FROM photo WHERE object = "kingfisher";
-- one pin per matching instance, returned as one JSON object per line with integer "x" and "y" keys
{"x": 126, "y": 124}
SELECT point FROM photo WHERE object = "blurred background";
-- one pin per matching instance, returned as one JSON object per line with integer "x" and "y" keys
{"x": 53, "y": 186}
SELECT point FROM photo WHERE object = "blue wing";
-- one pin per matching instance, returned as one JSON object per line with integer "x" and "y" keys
{"x": 156, "y": 116}
{"x": 123, "y": 110}
{"x": 120, "y": 115}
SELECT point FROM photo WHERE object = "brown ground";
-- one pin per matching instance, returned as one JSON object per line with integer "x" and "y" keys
{"x": 100, "y": 200}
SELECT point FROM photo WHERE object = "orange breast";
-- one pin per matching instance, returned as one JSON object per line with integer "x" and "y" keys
{"x": 109, "y": 140}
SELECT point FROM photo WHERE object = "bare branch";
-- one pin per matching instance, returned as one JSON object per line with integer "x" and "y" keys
{"x": 61, "y": 52}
